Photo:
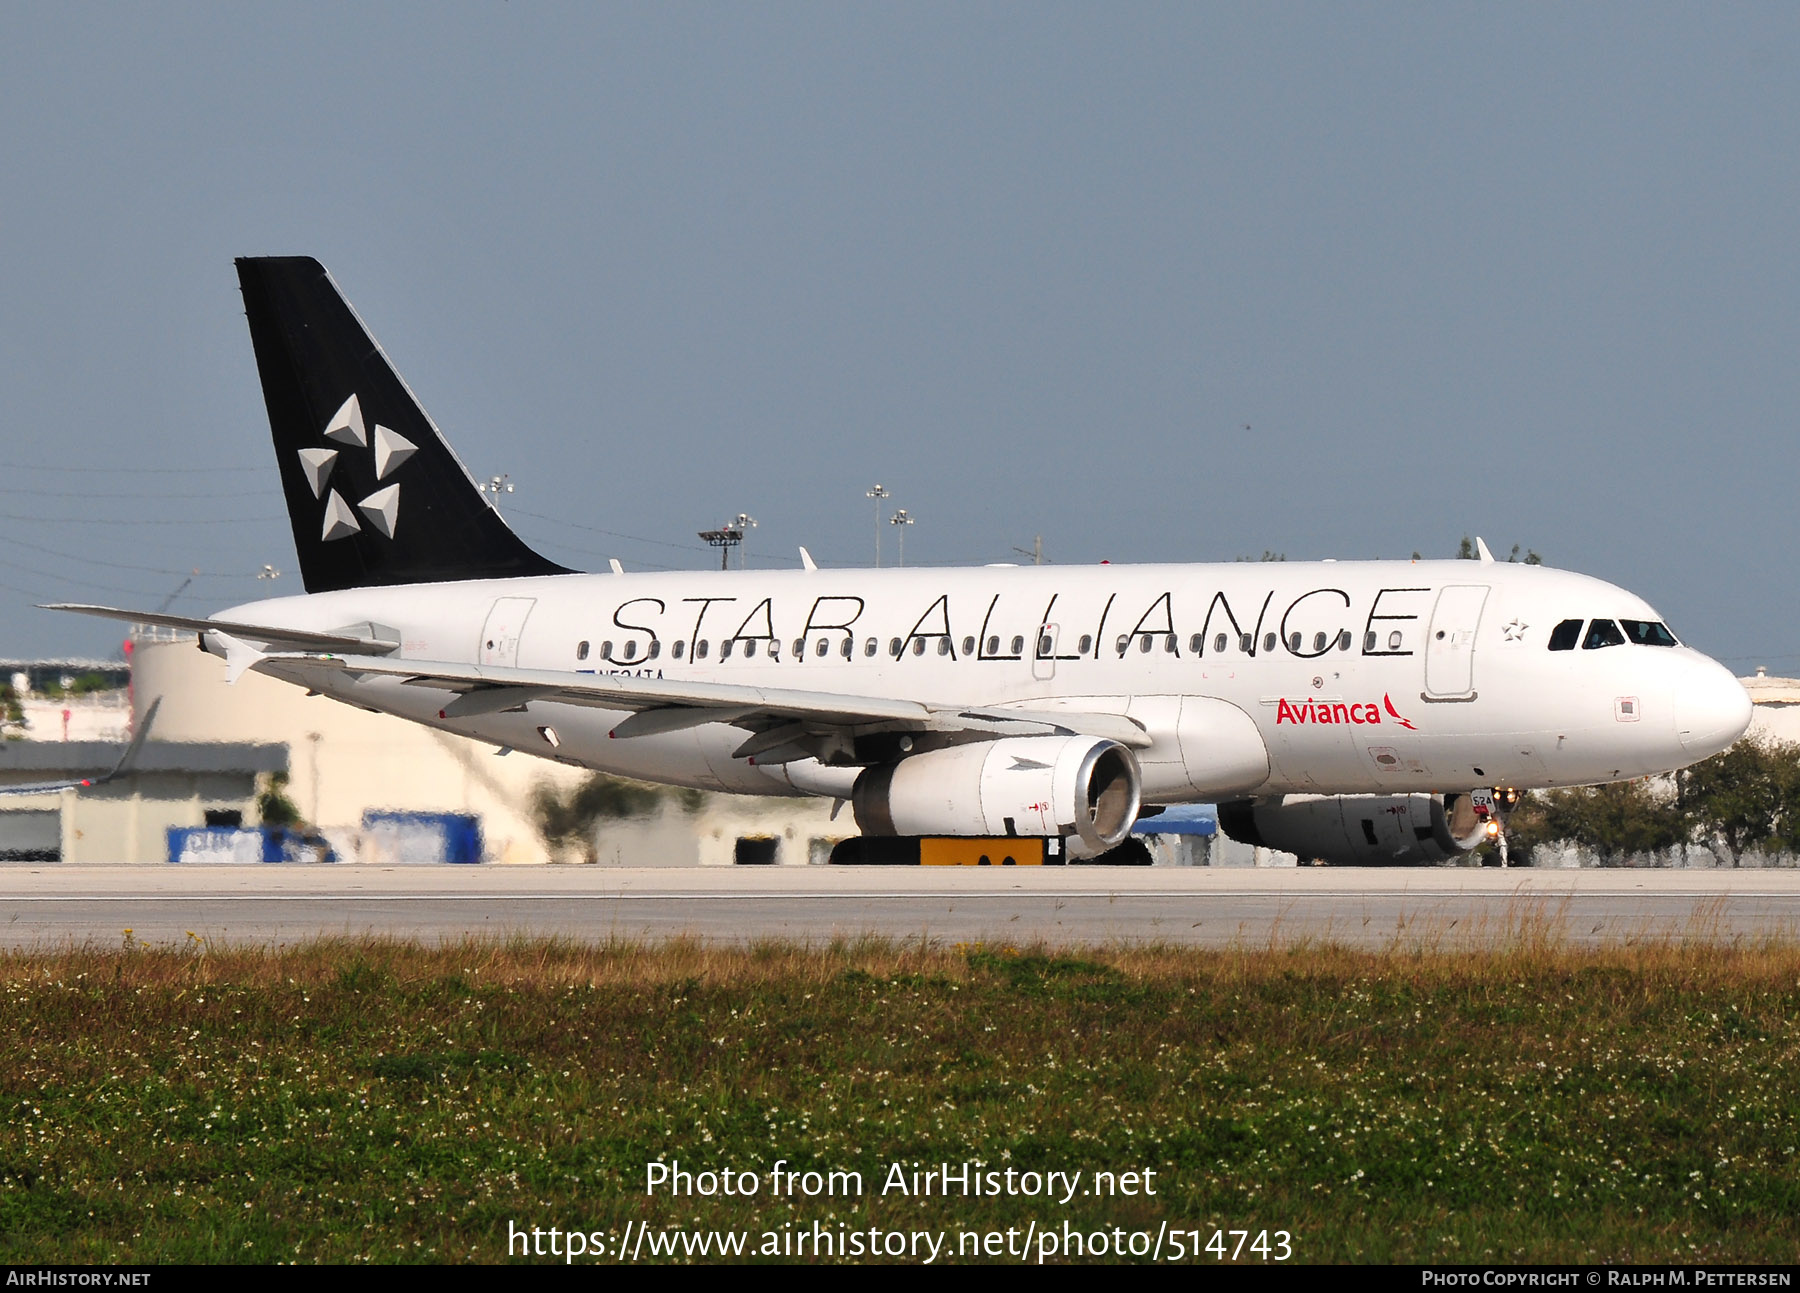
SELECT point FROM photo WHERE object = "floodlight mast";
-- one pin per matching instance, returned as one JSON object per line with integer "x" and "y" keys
{"x": 901, "y": 520}
{"x": 725, "y": 538}
{"x": 878, "y": 494}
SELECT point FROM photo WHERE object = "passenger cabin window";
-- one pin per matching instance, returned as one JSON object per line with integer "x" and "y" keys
{"x": 1018, "y": 646}
{"x": 993, "y": 646}
{"x": 700, "y": 649}
{"x": 823, "y": 647}
{"x": 799, "y": 648}
{"x": 749, "y": 647}
{"x": 581, "y": 651}
{"x": 869, "y": 647}
{"x": 679, "y": 647}
{"x": 1344, "y": 640}
{"x": 1086, "y": 643}
{"x": 1169, "y": 644}
{"x": 606, "y": 650}
{"x": 1602, "y": 633}
{"x": 1195, "y": 643}
{"x": 1246, "y": 643}
{"x": 848, "y": 646}
{"x": 1268, "y": 642}
{"x": 968, "y": 646}
{"x": 1565, "y": 635}
{"x": 1318, "y": 642}
{"x": 1294, "y": 643}
{"x": 918, "y": 646}
{"x": 1648, "y": 633}
{"x": 725, "y": 648}
{"x": 943, "y": 646}
{"x": 894, "y": 647}
{"x": 655, "y": 649}
{"x": 629, "y": 651}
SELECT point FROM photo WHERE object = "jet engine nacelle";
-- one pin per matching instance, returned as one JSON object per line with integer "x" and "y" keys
{"x": 1358, "y": 830}
{"x": 1022, "y": 785}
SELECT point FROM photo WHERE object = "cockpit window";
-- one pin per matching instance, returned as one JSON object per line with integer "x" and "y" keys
{"x": 1565, "y": 635}
{"x": 1602, "y": 633}
{"x": 1648, "y": 633}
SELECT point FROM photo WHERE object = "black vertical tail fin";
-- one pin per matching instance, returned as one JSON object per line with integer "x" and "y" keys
{"x": 374, "y": 494}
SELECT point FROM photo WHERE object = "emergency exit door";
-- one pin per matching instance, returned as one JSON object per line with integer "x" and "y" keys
{"x": 505, "y": 625}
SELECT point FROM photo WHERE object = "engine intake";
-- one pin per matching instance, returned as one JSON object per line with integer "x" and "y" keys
{"x": 1358, "y": 830}
{"x": 1024, "y": 785}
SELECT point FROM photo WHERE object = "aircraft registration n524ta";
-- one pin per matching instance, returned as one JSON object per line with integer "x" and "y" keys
{"x": 1348, "y": 710}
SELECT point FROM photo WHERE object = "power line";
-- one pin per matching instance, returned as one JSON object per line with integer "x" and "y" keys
{"x": 110, "y": 520}
{"x": 119, "y": 565}
{"x": 134, "y": 471}
{"x": 148, "y": 497}
{"x": 611, "y": 534}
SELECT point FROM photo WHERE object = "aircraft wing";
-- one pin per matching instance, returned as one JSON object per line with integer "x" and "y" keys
{"x": 126, "y": 762}
{"x": 776, "y": 716}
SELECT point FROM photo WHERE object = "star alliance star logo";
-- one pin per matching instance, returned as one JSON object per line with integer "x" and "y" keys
{"x": 381, "y": 510}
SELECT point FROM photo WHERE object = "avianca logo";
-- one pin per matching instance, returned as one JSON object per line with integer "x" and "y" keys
{"x": 1322, "y": 712}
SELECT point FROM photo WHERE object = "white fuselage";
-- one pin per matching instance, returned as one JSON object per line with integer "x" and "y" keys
{"x": 1358, "y": 677}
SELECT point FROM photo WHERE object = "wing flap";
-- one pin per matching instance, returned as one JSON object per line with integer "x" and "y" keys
{"x": 665, "y": 705}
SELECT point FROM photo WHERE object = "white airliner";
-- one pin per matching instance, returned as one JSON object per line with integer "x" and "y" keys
{"x": 1346, "y": 710}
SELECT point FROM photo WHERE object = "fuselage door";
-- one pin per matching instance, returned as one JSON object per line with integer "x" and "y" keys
{"x": 1043, "y": 655}
{"x": 500, "y": 635}
{"x": 1450, "y": 642}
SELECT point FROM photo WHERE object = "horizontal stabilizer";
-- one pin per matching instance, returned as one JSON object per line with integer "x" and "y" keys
{"x": 267, "y": 634}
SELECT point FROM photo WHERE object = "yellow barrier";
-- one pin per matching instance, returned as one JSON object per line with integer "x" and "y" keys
{"x": 981, "y": 852}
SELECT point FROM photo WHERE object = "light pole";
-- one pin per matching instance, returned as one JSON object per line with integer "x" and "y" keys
{"x": 878, "y": 493}
{"x": 901, "y": 519}
{"x": 743, "y": 525}
{"x": 724, "y": 539}
{"x": 497, "y": 486}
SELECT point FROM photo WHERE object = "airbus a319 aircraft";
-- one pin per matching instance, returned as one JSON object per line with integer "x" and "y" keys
{"x": 1352, "y": 711}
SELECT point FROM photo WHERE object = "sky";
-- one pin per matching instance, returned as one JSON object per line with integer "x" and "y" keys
{"x": 1153, "y": 282}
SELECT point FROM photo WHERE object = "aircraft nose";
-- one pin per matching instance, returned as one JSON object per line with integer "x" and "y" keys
{"x": 1712, "y": 710}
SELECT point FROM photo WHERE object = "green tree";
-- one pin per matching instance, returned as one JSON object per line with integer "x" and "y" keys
{"x": 1466, "y": 551}
{"x": 1744, "y": 799}
{"x": 273, "y": 805}
{"x": 568, "y": 819}
{"x": 1618, "y": 821}
{"x": 12, "y": 713}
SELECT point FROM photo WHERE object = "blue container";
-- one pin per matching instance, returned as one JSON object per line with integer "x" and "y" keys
{"x": 222, "y": 845}
{"x": 399, "y": 838}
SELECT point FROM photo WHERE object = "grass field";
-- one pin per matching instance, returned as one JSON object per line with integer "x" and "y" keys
{"x": 380, "y": 1102}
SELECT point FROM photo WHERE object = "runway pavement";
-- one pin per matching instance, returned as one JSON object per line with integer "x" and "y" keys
{"x": 54, "y": 906}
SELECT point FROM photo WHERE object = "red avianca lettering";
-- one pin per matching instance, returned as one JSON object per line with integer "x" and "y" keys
{"x": 1326, "y": 711}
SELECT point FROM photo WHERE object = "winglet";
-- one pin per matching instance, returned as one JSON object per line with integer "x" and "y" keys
{"x": 806, "y": 561}
{"x": 1481, "y": 549}
{"x": 617, "y": 569}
